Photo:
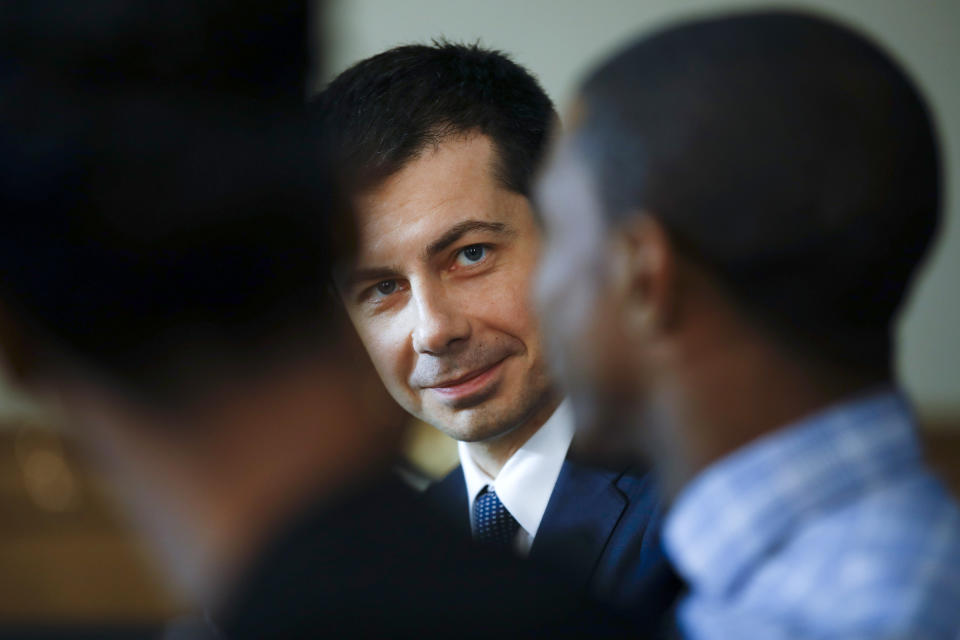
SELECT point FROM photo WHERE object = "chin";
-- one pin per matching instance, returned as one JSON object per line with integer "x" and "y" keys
{"x": 472, "y": 430}
{"x": 484, "y": 422}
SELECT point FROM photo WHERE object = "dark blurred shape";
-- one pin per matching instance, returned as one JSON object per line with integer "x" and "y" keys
{"x": 380, "y": 563}
{"x": 147, "y": 150}
{"x": 241, "y": 47}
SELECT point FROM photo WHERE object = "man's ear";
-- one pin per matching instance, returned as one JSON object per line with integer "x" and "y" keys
{"x": 647, "y": 273}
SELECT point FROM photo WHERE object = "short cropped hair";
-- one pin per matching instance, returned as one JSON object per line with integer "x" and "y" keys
{"x": 172, "y": 221}
{"x": 786, "y": 152}
{"x": 385, "y": 110}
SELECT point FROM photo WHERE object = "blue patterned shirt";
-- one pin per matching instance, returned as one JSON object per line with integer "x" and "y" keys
{"x": 829, "y": 528}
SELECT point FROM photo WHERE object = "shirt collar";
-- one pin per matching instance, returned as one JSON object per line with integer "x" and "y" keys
{"x": 741, "y": 506}
{"x": 526, "y": 481}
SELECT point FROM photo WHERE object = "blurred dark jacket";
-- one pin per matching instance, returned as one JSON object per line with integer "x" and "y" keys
{"x": 377, "y": 563}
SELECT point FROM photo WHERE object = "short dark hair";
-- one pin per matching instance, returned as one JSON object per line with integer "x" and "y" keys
{"x": 789, "y": 154}
{"x": 172, "y": 224}
{"x": 383, "y": 111}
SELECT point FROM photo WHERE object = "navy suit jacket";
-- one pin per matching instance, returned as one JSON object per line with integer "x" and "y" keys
{"x": 600, "y": 532}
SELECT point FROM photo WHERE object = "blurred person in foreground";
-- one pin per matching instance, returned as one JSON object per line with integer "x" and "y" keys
{"x": 733, "y": 220}
{"x": 438, "y": 145}
{"x": 169, "y": 228}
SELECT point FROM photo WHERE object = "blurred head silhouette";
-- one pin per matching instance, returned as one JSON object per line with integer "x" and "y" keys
{"x": 168, "y": 229}
{"x": 734, "y": 217}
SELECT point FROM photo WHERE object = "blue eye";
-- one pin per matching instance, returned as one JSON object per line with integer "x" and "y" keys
{"x": 386, "y": 287}
{"x": 471, "y": 255}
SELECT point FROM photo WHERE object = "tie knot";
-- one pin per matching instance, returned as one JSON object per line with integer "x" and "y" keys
{"x": 493, "y": 524}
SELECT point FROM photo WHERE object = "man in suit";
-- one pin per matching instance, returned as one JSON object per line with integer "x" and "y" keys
{"x": 169, "y": 230}
{"x": 734, "y": 219}
{"x": 437, "y": 145}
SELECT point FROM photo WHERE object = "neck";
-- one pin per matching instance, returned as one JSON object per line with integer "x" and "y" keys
{"x": 729, "y": 396}
{"x": 492, "y": 454}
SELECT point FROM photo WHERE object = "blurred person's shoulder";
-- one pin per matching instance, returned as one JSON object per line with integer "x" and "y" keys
{"x": 378, "y": 563}
{"x": 889, "y": 560}
{"x": 886, "y": 565}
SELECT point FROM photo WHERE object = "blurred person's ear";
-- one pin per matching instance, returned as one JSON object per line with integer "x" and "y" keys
{"x": 644, "y": 274}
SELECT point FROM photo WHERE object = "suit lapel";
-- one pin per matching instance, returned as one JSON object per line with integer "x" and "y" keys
{"x": 583, "y": 511}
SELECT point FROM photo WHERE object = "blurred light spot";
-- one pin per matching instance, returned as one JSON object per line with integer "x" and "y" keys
{"x": 49, "y": 481}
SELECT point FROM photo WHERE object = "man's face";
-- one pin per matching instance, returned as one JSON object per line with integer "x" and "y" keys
{"x": 580, "y": 289}
{"x": 440, "y": 292}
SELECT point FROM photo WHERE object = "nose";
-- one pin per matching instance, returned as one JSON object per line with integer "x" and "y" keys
{"x": 441, "y": 323}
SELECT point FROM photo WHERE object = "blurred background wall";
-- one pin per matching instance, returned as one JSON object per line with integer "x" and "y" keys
{"x": 65, "y": 556}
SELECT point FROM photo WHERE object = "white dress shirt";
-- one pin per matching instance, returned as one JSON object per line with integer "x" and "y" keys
{"x": 526, "y": 481}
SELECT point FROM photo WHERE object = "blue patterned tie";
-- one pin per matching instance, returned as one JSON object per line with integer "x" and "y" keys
{"x": 493, "y": 524}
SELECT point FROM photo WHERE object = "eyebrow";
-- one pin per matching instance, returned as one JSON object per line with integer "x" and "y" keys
{"x": 461, "y": 229}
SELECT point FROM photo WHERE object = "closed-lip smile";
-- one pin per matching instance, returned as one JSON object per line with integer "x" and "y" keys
{"x": 469, "y": 385}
